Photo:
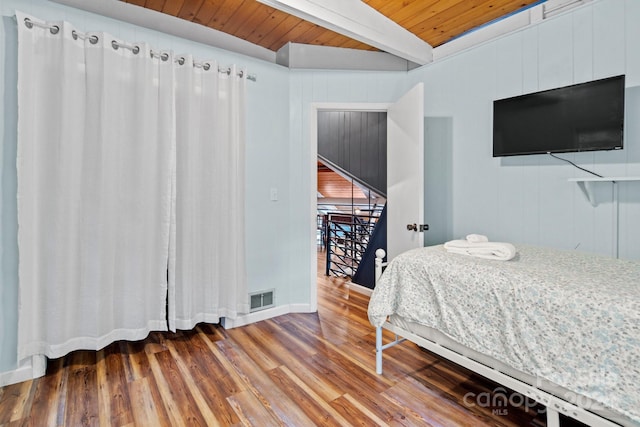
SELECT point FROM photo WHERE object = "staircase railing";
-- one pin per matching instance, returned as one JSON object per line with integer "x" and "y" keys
{"x": 347, "y": 237}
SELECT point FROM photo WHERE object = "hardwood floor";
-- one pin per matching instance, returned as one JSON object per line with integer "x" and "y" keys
{"x": 293, "y": 370}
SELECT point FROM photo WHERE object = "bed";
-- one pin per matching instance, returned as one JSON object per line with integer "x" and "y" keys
{"x": 560, "y": 327}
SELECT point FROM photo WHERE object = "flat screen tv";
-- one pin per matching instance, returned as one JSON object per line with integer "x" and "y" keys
{"x": 581, "y": 117}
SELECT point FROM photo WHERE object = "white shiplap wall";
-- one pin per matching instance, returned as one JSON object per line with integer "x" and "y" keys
{"x": 528, "y": 198}
{"x": 524, "y": 199}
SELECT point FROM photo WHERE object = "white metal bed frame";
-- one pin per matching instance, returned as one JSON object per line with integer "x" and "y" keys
{"x": 555, "y": 406}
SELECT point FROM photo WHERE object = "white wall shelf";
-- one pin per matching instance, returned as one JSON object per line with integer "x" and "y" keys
{"x": 586, "y": 185}
{"x": 587, "y": 188}
{"x": 606, "y": 178}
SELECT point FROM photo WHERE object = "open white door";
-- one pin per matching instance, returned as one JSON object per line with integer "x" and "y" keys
{"x": 405, "y": 174}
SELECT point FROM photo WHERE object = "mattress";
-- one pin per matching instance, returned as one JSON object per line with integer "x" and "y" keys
{"x": 563, "y": 318}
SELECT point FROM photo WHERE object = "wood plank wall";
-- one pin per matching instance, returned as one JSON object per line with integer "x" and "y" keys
{"x": 356, "y": 141}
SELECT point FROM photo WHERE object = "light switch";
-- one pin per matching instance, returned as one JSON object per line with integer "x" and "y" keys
{"x": 273, "y": 194}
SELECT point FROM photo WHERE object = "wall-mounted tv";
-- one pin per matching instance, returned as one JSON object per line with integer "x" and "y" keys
{"x": 581, "y": 117}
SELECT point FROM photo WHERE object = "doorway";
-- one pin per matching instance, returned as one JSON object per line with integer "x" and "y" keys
{"x": 352, "y": 183}
{"x": 315, "y": 108}
{"x": 405, "y": 173}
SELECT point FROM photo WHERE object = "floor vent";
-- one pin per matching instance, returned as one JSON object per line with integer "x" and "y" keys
{"x": 261, "y": 300}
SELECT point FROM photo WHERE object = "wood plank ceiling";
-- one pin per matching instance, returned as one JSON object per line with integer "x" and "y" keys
{"x": 332, "y": 185}
{"x": 434, "y": 21}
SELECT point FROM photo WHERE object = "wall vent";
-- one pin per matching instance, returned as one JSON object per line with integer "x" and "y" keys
{"x": 261, "y": 300}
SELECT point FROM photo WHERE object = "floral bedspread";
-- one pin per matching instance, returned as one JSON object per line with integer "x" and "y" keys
{"x": 568, "y": 317}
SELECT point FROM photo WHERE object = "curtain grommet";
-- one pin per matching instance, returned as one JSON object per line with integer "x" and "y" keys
{"x": 115, "y": 45}
{"x": 28, "y": 23}
{"x": 54, "y": 29}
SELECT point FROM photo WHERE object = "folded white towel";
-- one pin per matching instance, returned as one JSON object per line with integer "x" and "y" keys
{"x": 477, "y": 238}
{"x": 487, "y": 250}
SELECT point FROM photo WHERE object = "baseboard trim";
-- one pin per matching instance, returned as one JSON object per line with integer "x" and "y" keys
{"x": 360, "y": 289}
{"x": 33, "y": 367}
{"x": 269, "y": 313}
{"x": 301, "y": 308}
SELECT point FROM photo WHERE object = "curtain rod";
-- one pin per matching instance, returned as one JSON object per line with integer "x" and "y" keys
{"x": 93, "y": 39}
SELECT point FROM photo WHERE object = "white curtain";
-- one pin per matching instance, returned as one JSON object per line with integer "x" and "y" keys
{"x": 207, "y": 268}
{"x": 96, "y": 143}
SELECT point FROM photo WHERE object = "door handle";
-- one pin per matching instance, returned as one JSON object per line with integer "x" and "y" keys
{"x": 415, "y": 227}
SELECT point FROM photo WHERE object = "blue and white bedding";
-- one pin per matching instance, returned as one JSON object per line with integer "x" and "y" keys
{"x": 564, "y": 316}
